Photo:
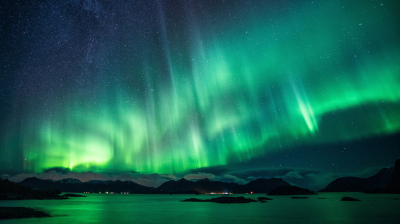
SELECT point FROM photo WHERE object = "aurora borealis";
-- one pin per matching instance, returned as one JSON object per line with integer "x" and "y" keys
{"x": 173, "y": 86}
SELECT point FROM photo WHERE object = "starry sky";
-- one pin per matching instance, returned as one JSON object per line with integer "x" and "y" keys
{"x": 232, "y": 90}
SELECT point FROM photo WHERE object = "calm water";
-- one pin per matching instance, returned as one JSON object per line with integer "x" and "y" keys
{"x": 101, "y": 208}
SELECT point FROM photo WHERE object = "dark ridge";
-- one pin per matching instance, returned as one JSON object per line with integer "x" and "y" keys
{"x": 386, "y": 180}
{"x": 14, "y": 191}
{"x": 207, "y": 186}
{"x": 74, "y": 185}
{"x": 265, "y": 185}
{"x": 182, "y": 186}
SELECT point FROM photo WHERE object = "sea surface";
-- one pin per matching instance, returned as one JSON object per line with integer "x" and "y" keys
{"x": 102, "y": 208}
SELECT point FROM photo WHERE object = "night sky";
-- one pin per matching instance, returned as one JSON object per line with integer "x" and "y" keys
{"x": 306, "y": 90}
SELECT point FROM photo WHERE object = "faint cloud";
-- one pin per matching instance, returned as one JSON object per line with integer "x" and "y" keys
{"x": 199, "y": 176}
{"x": 216, "y": 170}
{"x": 278, "y": 172}
{"x": 58, "y": 170}
{"x": 232, "y": 179}
{"x": 292, "y": 174}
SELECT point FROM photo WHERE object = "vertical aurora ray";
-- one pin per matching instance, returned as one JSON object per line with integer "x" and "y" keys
{"x": 210, "y": 91}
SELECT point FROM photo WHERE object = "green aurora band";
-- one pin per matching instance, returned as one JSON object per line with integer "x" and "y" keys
{"x": 236, "y": 90}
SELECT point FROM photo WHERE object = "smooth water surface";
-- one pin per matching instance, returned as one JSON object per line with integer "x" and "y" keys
{"x": 102, "y": 208}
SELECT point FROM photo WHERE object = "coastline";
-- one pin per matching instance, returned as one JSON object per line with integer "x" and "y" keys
{"x": 21, "y": 212}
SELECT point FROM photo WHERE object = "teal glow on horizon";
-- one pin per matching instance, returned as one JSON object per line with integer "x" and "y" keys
{"x": 227, "y": 91}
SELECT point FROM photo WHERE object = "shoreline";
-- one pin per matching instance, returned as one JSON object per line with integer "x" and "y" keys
{"x": 21, "y": 212}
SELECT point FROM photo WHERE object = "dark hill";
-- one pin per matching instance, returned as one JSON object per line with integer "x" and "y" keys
{"x": 383, "y": 179}
{"x": 180, "y": 185}
{"x": 63, "y": 185}
{"x": 265, "y": 185}
{"x": 74, "y": 185}
{"x": 345, "y": 184}
{"x": 14, "y": 191}
{"x": 394, "y": 180}
{"x": 208, "y": 186}
{"x": 393, "y": 183}
{"x": 172, "y": 186}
